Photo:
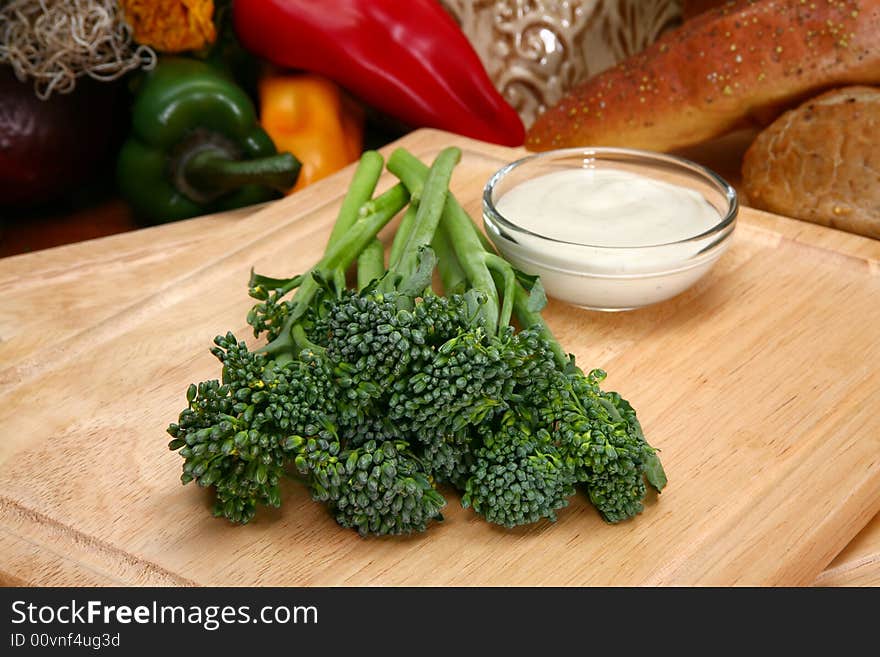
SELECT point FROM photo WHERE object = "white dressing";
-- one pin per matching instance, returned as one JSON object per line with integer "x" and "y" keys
{"x": 608, "y": 238}
{"x": 607, "y": 207}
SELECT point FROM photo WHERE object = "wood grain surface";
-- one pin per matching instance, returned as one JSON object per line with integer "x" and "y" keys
{"x": 758, "y": 385}
{"x": 859, "y": 562}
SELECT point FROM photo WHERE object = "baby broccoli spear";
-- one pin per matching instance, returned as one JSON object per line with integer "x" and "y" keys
{"x": 372, "y": 396}
{"x": 312, "y": 396}
{"x": 237, "y": 435}
{"x": 519, "y": 475}
{"x": 595, "y": 437}
{"x": 396, "y": 347}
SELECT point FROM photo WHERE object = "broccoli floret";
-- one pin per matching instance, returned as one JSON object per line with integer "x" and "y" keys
{"x": 619, "y": 458}
{"x": 386, "y": 490}
{"x": 370, "y": 479}
{"x": 601, "y": 438}
{"x": 377, "y": 339}
{"x": 465, "y": 383}
{"x": 237, "y": 436}
{"x": 617, "y": 489}
{"x": 270, "y": 314}
{"x": 365, "y": 428}
{"x": 371, "y": 343}
{"x": 447, "y": 458}
{"x": 518, "y": 477}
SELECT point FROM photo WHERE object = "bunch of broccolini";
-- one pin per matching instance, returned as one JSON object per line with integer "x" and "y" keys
{"x": 373, "y": 396}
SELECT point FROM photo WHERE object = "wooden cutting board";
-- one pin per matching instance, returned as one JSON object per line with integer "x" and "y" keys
{"x": 760, "y": 387}
{"x": 859, "y": 562}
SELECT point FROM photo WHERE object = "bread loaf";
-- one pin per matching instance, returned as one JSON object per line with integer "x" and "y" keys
{"x": 821, "y": 162}
{"x": 708, "y": 76}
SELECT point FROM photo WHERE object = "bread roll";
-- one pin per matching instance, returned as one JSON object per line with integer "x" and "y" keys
{"x": 706, "y": 77}
{"x": 821, "y": 162}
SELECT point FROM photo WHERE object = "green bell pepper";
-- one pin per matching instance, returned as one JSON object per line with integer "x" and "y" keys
{"x": 196, "y": 147}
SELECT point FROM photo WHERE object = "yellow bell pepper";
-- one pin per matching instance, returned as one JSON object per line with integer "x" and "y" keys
{"x": 309, "y": 116}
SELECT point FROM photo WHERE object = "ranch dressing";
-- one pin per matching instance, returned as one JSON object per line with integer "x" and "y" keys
{"x": 617, "y": 239}
{"x": 607, "y": 207}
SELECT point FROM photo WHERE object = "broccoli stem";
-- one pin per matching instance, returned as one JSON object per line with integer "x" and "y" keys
{"x": 451, "y": 274}
{"x": 363, "y": 184}
{"x": 338, "y": 257}
{"x": 466, "y": 254}
{"x": 497, "y": 265}
{"x": 383, "y": 209}
{"x": 472, "y": 258}
{"x": 301, "y": 340}
{"x": 430, "y": 208}
{"x": 526, "y": 317}
{"x": 260, "y": 284}
{"x": 370, "y": 264}
{"x": 342, "y": 253}
{"x": 470, "y": 254}
{"x": 403, "y": 232}
{"x": 355, "y": 204}
{"x": 402, "y": 164}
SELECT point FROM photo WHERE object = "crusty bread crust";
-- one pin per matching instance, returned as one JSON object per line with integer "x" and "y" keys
{"x": 706, "y": 77}
{"x": 821, "y": 162}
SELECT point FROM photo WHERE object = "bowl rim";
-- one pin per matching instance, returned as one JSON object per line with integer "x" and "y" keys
{"x": 595, "y": 152}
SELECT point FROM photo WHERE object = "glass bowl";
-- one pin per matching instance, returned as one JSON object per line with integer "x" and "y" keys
{"x": 620, "y": 277}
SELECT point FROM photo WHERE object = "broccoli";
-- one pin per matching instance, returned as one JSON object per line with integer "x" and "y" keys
{"x": 238, "y": 435}
{"x": 372, "y": 396}
{"x": 374, "y": 343}
{"x": 519, "y": 475}
{"x": 597, "y": 433}
{"x": 375, "y": 484}
{"x": 305, "y": 397}
{"x": 385, "y": 490}
{"x": 465, "y": 383}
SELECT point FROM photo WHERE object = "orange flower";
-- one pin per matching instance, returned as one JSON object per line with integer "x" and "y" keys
{"x": 171, "y": 25}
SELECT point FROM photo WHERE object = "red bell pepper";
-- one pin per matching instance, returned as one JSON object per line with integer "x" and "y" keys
{"x": 408, "y": 59}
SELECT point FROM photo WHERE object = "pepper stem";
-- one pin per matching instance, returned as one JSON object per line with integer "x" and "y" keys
{"x": 210, "y": 173}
